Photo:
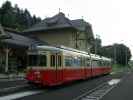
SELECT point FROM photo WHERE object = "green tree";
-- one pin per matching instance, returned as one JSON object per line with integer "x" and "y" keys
{"x": 6, "y": 14}
{"x": 119, "y": 52}
{"x": 16, "y": 18}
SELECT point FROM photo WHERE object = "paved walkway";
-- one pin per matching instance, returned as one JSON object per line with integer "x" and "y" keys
{"x": 123, "y": 91}
{"x": 12, "y": 76}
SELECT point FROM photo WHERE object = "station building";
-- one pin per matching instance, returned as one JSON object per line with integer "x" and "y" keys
{"x": 60, "y": 30}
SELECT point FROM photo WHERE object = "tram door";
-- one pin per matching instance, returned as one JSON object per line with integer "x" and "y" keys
{"x": 59, "y": 71}
{"x": 56, "y": 63}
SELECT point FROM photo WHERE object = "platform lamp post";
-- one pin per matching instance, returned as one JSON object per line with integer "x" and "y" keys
{"x": 89, "y": 49}
{"x": 89, "y": 53}
{"x": 126, "y": 56}
{"x": 97, "y": 37}
{"x": 114, "y": 53}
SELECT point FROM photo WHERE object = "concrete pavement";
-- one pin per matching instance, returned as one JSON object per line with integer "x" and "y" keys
{"x": 12, "y": 75}
{"x": 123, "y": 91}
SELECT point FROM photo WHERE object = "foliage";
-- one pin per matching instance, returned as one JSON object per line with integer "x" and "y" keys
{"x": 117, "y": 68}
{"x": 16, "y": 18}
{"x": 119, "y": 52}
{"x": 96, "y": 46}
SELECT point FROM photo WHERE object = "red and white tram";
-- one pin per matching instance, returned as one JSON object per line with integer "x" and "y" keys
{"x": 49, "y": 66}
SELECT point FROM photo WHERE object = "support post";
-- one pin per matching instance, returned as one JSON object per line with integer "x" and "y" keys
{"x": 6, "y": 67}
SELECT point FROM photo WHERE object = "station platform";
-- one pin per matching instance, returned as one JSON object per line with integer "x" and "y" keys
{"x": 12, "y": 76}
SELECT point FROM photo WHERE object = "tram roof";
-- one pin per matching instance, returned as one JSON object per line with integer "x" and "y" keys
{"x": 63, "y": 48}
{"x": 97, "y": 57}
{"x": 60, "y": 48}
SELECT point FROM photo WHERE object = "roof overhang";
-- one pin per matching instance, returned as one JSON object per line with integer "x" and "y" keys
{"x": 48, "y": 30}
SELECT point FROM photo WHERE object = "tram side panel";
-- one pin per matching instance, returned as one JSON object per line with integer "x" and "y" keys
{"x": 106, "y": 67}
{"x": 45, "y": 77}
{"x": 87, "y": 68}
{"x": 88, "y": 72}
{"x": 95, "y": 68}
{"x": 72, "y": 69}
{"x": 49, "y": 77}
{"x": 100, "y": 67}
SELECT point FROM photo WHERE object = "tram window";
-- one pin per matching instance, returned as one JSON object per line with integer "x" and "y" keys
{"x": 33, "y": 60}
{"x": 68, "y": 61}
{"x": 42, "y": 60}
{"x": 94, "y": 63}
{"x": 82, "y": 61}
{"x": 59, "y": 61}
{"x": 104, "y": 62}
{"x": 108, "y": 63}
{"x": 76, "y": 62}
{"x": 52, "y": 61}
{"x": 100, "y": 63}
{"x": 88, "y": 63}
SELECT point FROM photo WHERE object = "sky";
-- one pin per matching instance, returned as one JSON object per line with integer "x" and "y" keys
{"x": 112, "y": 20}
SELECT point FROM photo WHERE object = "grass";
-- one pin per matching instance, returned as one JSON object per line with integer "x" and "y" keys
{"x": 116, "y": 68}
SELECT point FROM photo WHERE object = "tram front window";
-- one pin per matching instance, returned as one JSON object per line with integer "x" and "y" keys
{"x": 37, "y": 60}
{"x": 42, "y": 60}
{"x": 33, "y": 60}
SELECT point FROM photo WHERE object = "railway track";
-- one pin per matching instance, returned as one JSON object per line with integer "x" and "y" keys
{"x": 98, "y": 92}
